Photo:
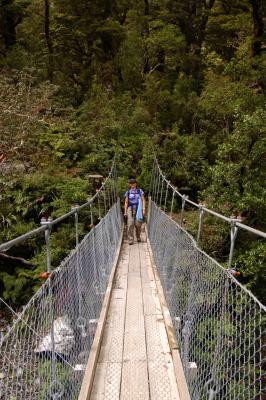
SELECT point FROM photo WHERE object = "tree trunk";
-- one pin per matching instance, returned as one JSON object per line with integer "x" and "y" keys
{"x": 147, "y": 7}
{"x": 9, "y": 19}
{"x": 146, "y": 67}
{"x": 9, "y": 263}
{"x": 2, "y": 33}
{"x": 194, "y": 28}
{"x": 49, "y": 40}
{"x": 258, "y": 27}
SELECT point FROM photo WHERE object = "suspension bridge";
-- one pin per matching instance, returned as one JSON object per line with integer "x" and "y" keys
{"x": 157, "y": 320}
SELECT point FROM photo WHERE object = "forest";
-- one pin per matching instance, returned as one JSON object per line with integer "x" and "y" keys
{"x": 86, "y": 79}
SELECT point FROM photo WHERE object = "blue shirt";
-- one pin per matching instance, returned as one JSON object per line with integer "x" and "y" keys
{"x": 133, "y": 196}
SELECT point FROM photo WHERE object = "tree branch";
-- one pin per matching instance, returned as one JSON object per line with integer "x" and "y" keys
{"x": 7, "y": 258}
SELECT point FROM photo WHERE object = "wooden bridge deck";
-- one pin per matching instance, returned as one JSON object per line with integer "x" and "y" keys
{"x": 135, "y": 361}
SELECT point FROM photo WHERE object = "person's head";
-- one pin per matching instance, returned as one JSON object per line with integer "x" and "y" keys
{"x": 132, "y": 183}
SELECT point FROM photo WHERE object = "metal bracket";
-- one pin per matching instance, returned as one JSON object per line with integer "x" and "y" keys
{"x": 233, "y": 235}
{"x": 184, "y": 199}
{"x": 192, "y": 370}
{"x": 201, "y": 213}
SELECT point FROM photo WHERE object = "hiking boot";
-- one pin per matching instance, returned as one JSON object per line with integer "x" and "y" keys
{"x": 131, "y": 242}
{"x": 138, "y": 240}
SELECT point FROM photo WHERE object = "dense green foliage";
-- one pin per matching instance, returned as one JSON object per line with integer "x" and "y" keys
{"x": 81, "y": 80}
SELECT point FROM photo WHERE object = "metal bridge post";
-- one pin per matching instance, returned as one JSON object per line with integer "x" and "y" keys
{"x": 48, "y": 222}
{"x": 233, "y": 234}
{"x": 93, "y": 249}
{"x": 184, "y": 198}
{"x": 91, "y": 215}
{"x": 152, "y": 176}
{"x": 108, "y": 196}
{"x": 113, "y": 195}
{"x": 116, "y": 188}
{"x": 157, "y": 188}
{"x": 115, "y": 184}
{"x": 76, "y": 223}
{"x": 149, "y": 211}
{"x": 78, "y": 256}
{"x": 104, "y": 199}
{"x": 113, "y": 190}
{"x": 47, "y": 234}
{"x": 201, "y": 213}
{"x": 186, "y": 336}
{"x": 161, "y": 197}
{"x": 172, "y": 203}
{"x": 154, "y": 185}
{"x": 99, "y": 206}
{"x": 166, "y": 196}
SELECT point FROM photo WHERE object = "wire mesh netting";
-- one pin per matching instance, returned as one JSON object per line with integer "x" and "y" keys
{"x": 44, "y": 354}
{"x": 220, "y": 326}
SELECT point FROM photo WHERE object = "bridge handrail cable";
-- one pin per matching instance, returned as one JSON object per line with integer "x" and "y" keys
{"x": 45, "y": 351}
{"x": 158, "y": 180}
{"x": 207, "y": 210}
{"x": 7, "y": 245}
{"x": 219, "y": 324}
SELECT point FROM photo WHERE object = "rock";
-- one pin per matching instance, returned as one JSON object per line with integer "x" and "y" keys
{"x": 83, "y": 356}
{"x": 80, "y": 367}
{"x": 37, "y": 381}
{"x": 63, "y": 338}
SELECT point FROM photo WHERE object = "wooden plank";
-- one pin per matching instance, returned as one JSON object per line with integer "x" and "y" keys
{"x": 151, "y": 303}
{"x": 179, "y": 372}
{"x": 135, "y": 361}
{"x": 134, "y": 337}
{"x": 150, "y": 297}
{"x": 135, "y": 384}
{"x": 162, "y": 382}
{"x": 174, "y": 348}
{"x": 87, "y": 382}
{"x": 98, "y": 388}
{"x": 112, "y": 342}
{"x": 107, "y": 379}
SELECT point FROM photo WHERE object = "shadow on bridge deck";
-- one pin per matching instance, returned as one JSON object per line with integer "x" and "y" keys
{"x": 135, "y": 361}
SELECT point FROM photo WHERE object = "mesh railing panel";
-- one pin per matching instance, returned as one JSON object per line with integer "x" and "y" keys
{"x": 220, "y": 326}
{"x": 44, "y": 360}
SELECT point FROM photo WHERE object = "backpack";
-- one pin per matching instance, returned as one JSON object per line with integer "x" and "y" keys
{"x": 138, "y": 192}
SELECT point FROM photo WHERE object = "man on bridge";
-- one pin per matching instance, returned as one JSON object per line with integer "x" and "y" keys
{"x": 134, "y": 209}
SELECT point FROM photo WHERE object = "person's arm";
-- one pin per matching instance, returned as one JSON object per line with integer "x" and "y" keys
{"x": 143, "y": 204}
{"x": 126, "y": 205}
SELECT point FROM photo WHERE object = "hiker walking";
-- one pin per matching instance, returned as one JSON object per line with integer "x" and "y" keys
{"x": 134, "y": 209}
